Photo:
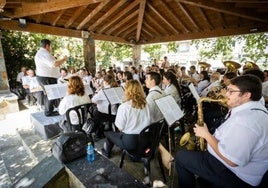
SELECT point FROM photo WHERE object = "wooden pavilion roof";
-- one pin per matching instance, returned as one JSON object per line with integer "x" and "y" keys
{"x": 136, "y": 21}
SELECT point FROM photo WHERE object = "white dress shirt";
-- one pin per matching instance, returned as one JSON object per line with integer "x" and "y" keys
{"x": 243, "y": 139}
{"x": 172, "y": 90}
{"x": 44, "y": 62}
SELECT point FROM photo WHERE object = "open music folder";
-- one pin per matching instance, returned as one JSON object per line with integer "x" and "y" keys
{"x": 194, "y": 92}
{"x": 56, "y": 91}
{"x": 114, "y": 95}
{"x": 170, "y": 109}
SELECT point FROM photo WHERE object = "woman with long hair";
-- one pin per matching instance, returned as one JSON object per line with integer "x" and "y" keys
{"x": 76, "y": 96}
{"x": 132, "y": 117}
{"x": 172, "y": 86}
{"x": 203, "y": 82}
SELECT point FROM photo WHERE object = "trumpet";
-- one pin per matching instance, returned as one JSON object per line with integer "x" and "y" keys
{"x": 199, "y": 143}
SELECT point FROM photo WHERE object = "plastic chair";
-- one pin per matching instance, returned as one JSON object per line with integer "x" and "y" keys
{"x": 147, "y": 146}
{"x": 82, "y": 112}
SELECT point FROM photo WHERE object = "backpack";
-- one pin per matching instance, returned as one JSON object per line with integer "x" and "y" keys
{"x": 70, "y": 146}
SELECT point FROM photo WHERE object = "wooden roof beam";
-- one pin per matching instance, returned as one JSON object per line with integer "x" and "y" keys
{"x": 222, "y": 20}
{"x": 128, "y": 26}
{"x": 153, "y": 31}
{"x": 92, "y": 14}
{"x": 29, "y": 9}
{"x": 60, "y": 13}
{"x": 97, "y": 36}
{"x": 208, "y": 34}
{"x": 187, "y": 14}
{"x": 130, "y": 30}
{"x": 242, "y": 1}
{"x": 106, "y": 15}
{"x": 39, "y": 28}
{"x": 140, "y": 19}
{"x": 224, "y": 8}
{"x": 39, "y": 18}
{"x": 2, "y": 4}
{"x": 120, "y": 15}
{"x": 169, "y": 10}
{"x": 76, "y": 14}
{"x": 162, "y": 18}
{"x": 205, "y": 18}
{"x": 122, "y": 22}
{"x": 160, "y": 28}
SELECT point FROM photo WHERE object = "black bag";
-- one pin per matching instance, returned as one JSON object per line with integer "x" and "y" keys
{"x": 89, "y": 126}
{"x": 70, "y": 146}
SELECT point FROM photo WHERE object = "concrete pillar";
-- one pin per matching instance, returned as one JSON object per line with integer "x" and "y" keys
{"x": 136, "y": 54}
{"x": 89, "y": 53}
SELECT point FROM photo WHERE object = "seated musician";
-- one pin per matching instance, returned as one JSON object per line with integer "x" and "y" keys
{"x": 214, "y": 85}
{"x": 132, "y": 117}
{"x": 172, "y": 86}
{"x": 152, "y": 81}
{"x": 76, "y": 96}
{"x": 203, "y": 82}
{"x": 105, "y": 112}
{"x": 236, "y": 154}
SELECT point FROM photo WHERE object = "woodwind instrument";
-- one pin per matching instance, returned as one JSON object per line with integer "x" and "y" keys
{"x": 199, "y": 143}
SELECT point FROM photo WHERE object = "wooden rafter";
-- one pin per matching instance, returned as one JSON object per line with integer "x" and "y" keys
{"x": 92, "y": 14}
{"x": 205, "y": 18}
{"x": 2, "y": 4}
{"x": 162, "y": 18}
{"x": 187, "y": 14}
{"x": 224, "y": 9}
{"x": 119, "y": 16}
{"x": 39, "y": 28}
{"x": 148, "y": 33}
{"x": 126, "y": 29}
{"x": 174, "y": 16}
{"x": 222, "y": 20}
{"x": 75, "y": 16}
{"x": 156, "y": 24}
{"x": 29, "y": 9}
{"x": 241, "y": 1}
{"x": 107, "y": 38}
{"x": 130, "y": 30}
{"x": 152, "y": 31}
{"x": 122, "y": 22}
{"x": 39, "y": 18}
{"x": 56, "y": 19}
{"x": 106, "y": 15}
{"x": 140, "y": 19}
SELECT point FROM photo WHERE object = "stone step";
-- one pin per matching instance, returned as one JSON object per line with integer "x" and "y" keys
{"x": 36, "y": 147}
{"x": 5, "y": 179}
{"x": 15, "y": 158}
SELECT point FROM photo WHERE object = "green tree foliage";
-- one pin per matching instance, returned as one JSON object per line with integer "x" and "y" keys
{"x": 172, "y": 47}
{"x": 109, "y": 52}
{"x": 20, "y": 48}
{"x": 154, "y": 50}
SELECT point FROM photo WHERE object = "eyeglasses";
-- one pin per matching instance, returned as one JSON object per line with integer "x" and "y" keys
{"x": 232, "y": 91}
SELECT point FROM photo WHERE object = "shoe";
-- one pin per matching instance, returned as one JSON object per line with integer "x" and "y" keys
{"x": 54, "y": 113}
{"x": 103, "y": 152}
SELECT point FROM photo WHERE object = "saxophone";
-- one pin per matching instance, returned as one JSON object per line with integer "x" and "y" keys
{"x": 199, "y": 143}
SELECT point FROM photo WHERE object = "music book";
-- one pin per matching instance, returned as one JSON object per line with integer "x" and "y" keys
{"x": 194, "y": 92}
{"x": 169, "y": 108}
{"x": 114, "y": 95}
{"x": 56, "y": 91}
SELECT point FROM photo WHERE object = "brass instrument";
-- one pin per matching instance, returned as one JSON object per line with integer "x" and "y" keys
{"x": 204, "y": 66}
{"x": 250, "y": 65}
{"x": 199, "y": 143}
{"x": 231, "y": 66}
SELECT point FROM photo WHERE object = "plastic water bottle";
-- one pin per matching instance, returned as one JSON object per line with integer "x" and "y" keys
{"x": 90, "y": 153}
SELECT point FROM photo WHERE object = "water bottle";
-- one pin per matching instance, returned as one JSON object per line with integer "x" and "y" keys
{"x": 90, "y": 153}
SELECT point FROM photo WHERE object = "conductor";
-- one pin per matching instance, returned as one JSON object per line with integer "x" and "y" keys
{"x": 47, "y": 71}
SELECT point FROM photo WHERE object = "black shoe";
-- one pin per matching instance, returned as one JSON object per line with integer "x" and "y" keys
{"x": 54, "y": 113}
{"x": 103, "y": 152}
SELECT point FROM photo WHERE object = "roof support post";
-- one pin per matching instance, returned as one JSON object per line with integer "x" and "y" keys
{"x": 136, "y": 51}
{"x": 89, "y": 53}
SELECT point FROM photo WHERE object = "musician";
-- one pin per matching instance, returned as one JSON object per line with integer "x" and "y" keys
{"x": 193, "y": 74}
{"x": 172, "y": 86}
{"x": 132, "y": 116}
{"x": 265, "y": 87}
{"x": 105, "y": 112}
{"x": 203, "y": 82}
{"x": 236, "y": 154}
{"x": 152, "y": 81}
{"x": 76, "y": 96}
{"x": 214, "y": 84}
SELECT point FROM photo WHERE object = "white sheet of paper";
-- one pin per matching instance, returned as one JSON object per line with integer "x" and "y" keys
{"x": 169, "y": 108}
{"x": 56, "y": 91}
{"x": 115, "y": 95}
{"x": 194, "y": 92}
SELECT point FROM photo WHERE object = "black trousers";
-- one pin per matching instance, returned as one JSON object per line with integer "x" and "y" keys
{"x": 49, "y": 104}
{"x": 206, "y": 166}
{"x": 99, "y": 118}
{"x": 122, "y": 140}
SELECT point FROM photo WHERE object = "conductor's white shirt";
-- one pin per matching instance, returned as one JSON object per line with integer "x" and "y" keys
{"x": 132, "y": 120}
{"x": 44, "y": 62}
{"x": 243, "y": 139}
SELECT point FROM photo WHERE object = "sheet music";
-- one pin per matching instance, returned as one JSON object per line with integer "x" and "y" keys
{"x": 114, "y": 95}
{"x": 194, "y": 92}
{"x": 56, "y": 91}
{"x": 169, "y": 108}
